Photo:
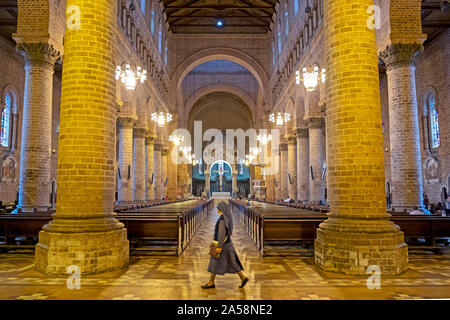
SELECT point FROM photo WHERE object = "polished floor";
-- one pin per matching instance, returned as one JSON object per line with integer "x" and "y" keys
{"x": 273, "y": 277}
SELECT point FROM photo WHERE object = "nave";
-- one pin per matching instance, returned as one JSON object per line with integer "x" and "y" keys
{"x": 180, "y": 278}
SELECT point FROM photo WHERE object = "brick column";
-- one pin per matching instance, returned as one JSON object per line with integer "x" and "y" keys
{"x": 292, "y": 167}
{"x": 234, "y": 188}
{"x": 35, "y": 157}
{"x": 84, "y": 231}
{"x": 284, "y": 170}
{"x": 139, "y": 164}
{"x": 316, "y": 158}
{"x": 358, "y": 232}
{"x": 125, "y": 192}
{"x": 207, "y": 181}
{"x": 303, "y": 168}
{"x": 406, "y": 164}
{"x": 164, "y": 171}
{"x": 157, "y": 186}
{"x": 150, "y": 168}
{"x": 172, "y": 174}
{"x": 277, "y": 175}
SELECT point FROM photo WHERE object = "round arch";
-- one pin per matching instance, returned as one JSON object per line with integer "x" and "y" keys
{"x": 219, "y": 53}
{"x": 219, "y": 87}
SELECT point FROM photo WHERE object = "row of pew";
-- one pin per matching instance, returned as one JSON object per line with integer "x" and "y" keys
{"x": 157, "y": 228}
{"x": 133, "y": 205}
{"x": 271, "y": 226}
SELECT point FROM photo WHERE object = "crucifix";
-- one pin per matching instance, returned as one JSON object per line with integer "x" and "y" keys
{"x": 221, "y": 172}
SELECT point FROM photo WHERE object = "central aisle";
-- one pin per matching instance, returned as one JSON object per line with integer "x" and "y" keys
{"x": 274, "y": 277}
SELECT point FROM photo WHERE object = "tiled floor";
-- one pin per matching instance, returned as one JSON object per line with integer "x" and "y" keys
{"x": 274, "y": 277}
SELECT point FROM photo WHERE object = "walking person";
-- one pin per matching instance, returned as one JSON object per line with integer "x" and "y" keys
{"x": 224, "y": 259}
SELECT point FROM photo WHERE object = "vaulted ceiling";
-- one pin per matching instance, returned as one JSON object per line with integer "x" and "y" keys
{"x": 435, "y": 17}
{"x": 8, "y": 18}
{"x": 200, "y": 16}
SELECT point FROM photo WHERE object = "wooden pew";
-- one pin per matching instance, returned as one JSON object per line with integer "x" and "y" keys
{"x": 175, "y": 223}
{"x": 269, "y": 223}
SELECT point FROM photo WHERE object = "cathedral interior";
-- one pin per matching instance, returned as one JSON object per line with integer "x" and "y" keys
{"x": 323, "y": 124}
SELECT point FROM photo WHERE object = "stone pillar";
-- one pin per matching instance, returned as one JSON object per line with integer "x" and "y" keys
{"x": 277, "y": 175}
{"x": 35, "y": 158}
{"x": 303, "y": 168}
{"x": 149, "y": 168}
{"x": 283, "y": 170}
{"x": 234, "y": 188}
{"x": 358, "y": 232}
{"x": 316, "y": 158}
{"x": 157, "y": 182}
{"x": 292, "y": 167}
{"x": 139, "y": 164}
{"x": 84, "y": 231}
{"x": 207, "y": 181}
{"x": 406, "y": 164}
{"x": 172, "y": 169}
{"x": 125, "y": 192}
{"x": 164, "y": 171}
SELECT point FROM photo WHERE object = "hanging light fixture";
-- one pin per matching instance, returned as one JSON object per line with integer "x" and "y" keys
{"x": 161, "y": 118}
{"x": 264, "y": 138}
{"x": 130, "y": 75}
{"x": 310, "y": 77}
{"x": 280, "y": 118}
{"x": 176, "y": 140}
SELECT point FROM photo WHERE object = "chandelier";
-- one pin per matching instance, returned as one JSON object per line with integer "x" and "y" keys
{"x": 194, "y": 161}
{"x": 280, "y": 119}
{"x": 186, "y": 152}
{"x": 176, "y": 140}
{"x": 310, "y": 77}
{"x": 161, "y": 118}
{"x": 264, "y": 138}
{"x": 130, "y": 75}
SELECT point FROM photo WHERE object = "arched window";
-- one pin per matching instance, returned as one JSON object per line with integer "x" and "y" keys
{"x": 6, "y": 121}
{"x": 165, "y": 51}
{"x": 279, "y": 42}
{"x": 152, "y": 22}
{"x": 286, "y": 19}
{"x": 274, "y": 50}
{"x": 434, "y": 121}
{"x": 143, "y": 7}
{"x": 160, "y": 41}
{"x": 296, "y": 6}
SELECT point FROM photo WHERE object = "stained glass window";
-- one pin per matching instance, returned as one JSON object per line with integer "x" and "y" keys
{"x": 6, "y": 121}
{"x": 434, "y": 120}
{"x": 143, "y": 7}
{"x": 273, "y": 53}
{"x": 279, "y": 42}
{"x": 296, "y": 6}
{"x": 152, "y": 22}
{"x": 160, "y": 41}
{"x": 286, "y": 20}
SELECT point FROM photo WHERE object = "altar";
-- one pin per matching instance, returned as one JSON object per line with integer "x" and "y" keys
{"x": 221, "y": 195}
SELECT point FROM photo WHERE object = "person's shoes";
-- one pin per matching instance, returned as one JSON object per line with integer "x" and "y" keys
{"x": 244, "y": 283}
{"x": 207, "y": 286}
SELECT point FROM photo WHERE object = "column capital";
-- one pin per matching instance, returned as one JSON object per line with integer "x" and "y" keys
{"x": 40, "y": 52}
{"x": 283, "y": 146}
{"x": 164, "y": 151}
{"x": 139, "y": 132}
{"x": 158, "y": 145}
{"x": 291, "y": 139}
{"x": 400, "y": 54}
{"x": 149, "y": 139}
{"x": 314, "y": 119}
{"x": 302, "y": 132}
{"x": 125, "y": 121}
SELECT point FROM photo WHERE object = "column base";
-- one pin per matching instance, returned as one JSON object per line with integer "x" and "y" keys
{"x": 31, "y": 209}
{"x": 92, "y": 252}
{"x": 352, "y": 251}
